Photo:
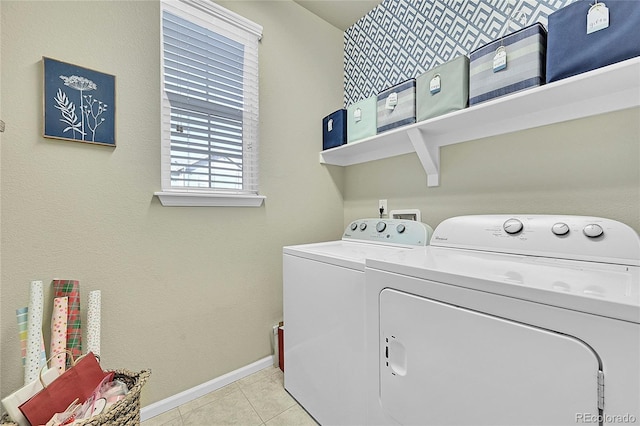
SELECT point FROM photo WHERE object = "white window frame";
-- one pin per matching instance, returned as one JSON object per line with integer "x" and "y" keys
{"x": 229, "y": 24}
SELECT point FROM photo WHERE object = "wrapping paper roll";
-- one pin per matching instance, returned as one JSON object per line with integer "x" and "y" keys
{"x": 93, "y": 322}
{"x": 21, "y": 315}
{"x": 43, "y": 353}
{"x": 71, "y": 289}
{"x": 59, "y": 333}
{"x": 34, "y": 333}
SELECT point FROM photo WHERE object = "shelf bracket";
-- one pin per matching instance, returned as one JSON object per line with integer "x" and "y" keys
{"x": 429, "y": 156}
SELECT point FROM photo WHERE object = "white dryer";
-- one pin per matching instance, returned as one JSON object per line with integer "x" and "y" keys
{"x": 323, "y": 295}
{"x": 507, "y": 320}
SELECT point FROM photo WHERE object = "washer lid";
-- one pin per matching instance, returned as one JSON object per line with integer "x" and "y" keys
{"x": 347, "y": 254}
{"x": 597, "y": 288}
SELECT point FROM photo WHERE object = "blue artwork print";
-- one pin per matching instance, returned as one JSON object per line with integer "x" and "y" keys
{"x": 79, "y": 103}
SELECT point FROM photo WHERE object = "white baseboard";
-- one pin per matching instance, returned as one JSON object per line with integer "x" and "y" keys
{"x": 178, "y": 399}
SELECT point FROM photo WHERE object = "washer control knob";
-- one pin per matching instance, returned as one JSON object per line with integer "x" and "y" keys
{"x": 560, "y": 228}
{"x": 381, "y": 226}
{"x": 363, "y": 226}
{"x": 593, "y": 230}
{"x": 354, "y": 226}
{"x": 400, "y": 228}
{"x": 512, "y": 226}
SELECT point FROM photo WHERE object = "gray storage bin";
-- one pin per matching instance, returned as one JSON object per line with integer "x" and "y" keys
{"x": 397, "y": 106}
{"x": 525, "y": 52}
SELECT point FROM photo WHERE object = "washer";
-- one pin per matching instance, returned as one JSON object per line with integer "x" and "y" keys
{"x": 323, "y": 292}
{"x": 507, "y": 320}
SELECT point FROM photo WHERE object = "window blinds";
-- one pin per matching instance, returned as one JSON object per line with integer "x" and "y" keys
{"x": 210, "y": 99}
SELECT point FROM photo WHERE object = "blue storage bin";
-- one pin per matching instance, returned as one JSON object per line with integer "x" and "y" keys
{"x": 334, "y": 129}
{"x": 571, "y": 51}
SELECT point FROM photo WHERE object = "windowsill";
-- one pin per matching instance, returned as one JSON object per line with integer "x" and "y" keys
{"x": 206, "y": 199}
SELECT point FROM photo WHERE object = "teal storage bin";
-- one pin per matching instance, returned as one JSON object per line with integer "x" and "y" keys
{"x": 443, "y": 89}
{"x": 361, "y": 119}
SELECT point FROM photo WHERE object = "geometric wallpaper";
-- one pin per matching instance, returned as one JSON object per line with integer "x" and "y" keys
{"x": 401, "y": 39}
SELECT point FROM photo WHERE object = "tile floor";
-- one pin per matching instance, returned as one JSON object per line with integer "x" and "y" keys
{"x": 256, "y": 400}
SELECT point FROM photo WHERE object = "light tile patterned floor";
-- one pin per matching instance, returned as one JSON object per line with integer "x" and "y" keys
{"x": 256, "y": 400}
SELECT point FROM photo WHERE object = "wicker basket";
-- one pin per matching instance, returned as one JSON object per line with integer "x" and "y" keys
{"x": 123, "y": 413}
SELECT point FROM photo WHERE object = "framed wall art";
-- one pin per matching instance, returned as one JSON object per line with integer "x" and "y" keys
{"x": 79, "y": 103}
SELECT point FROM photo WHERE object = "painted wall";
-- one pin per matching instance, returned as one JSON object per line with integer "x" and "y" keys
{"x": 587, "y": 167}
{"x": 191, "y": 293}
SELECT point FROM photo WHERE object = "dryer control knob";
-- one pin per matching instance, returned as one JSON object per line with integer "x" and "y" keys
{"x": 560, "y": 229}
{"x": 400, "y": 228}
{"x": 381, "y": 226}
{"x": 354, "y": 226}
{"x": 593, "y": 230}
{"x": 512, "y": 226}
{"x": 363, "y": 226}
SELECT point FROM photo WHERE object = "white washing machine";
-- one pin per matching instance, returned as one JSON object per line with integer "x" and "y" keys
{"x": 323, "y": 292}
{"x": 507, "y": 320}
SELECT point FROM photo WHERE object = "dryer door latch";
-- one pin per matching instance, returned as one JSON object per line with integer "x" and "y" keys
{"x": 600, "y": 390}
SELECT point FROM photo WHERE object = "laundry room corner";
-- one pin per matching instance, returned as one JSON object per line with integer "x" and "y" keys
{"x": 301, "y": 80}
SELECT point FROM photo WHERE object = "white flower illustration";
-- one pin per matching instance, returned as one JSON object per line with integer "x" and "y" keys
{"x": 82, "y": 84}
{"x": 79, "y": 83}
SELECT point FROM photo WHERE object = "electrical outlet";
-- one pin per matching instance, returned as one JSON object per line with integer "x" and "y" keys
{"x": 382, "y": 204}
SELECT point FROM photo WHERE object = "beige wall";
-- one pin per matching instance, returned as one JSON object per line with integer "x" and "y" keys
{"x": 191, "y": 293}
{"x": 583, "y": 167}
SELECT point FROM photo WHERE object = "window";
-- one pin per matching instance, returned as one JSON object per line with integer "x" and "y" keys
{"x": 209, "y": 106}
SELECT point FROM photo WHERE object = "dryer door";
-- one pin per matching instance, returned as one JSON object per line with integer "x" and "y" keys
{"x": 445, "y": 365}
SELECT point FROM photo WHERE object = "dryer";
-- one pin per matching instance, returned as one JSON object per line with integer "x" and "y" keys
{"x": 323, "y": 295}
{"x": 507, "y": 320}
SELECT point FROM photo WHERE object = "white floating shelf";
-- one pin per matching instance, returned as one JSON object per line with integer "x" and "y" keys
{"x": 604, "y": 90}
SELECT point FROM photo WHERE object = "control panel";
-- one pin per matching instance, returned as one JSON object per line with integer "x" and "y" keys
{"x": 390, "y": 231}
{"x": 566, "y": 237}
{"x": 592, "y": 230}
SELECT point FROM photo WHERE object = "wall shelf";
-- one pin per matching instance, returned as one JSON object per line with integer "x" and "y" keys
{"x": 604, "y": 90}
